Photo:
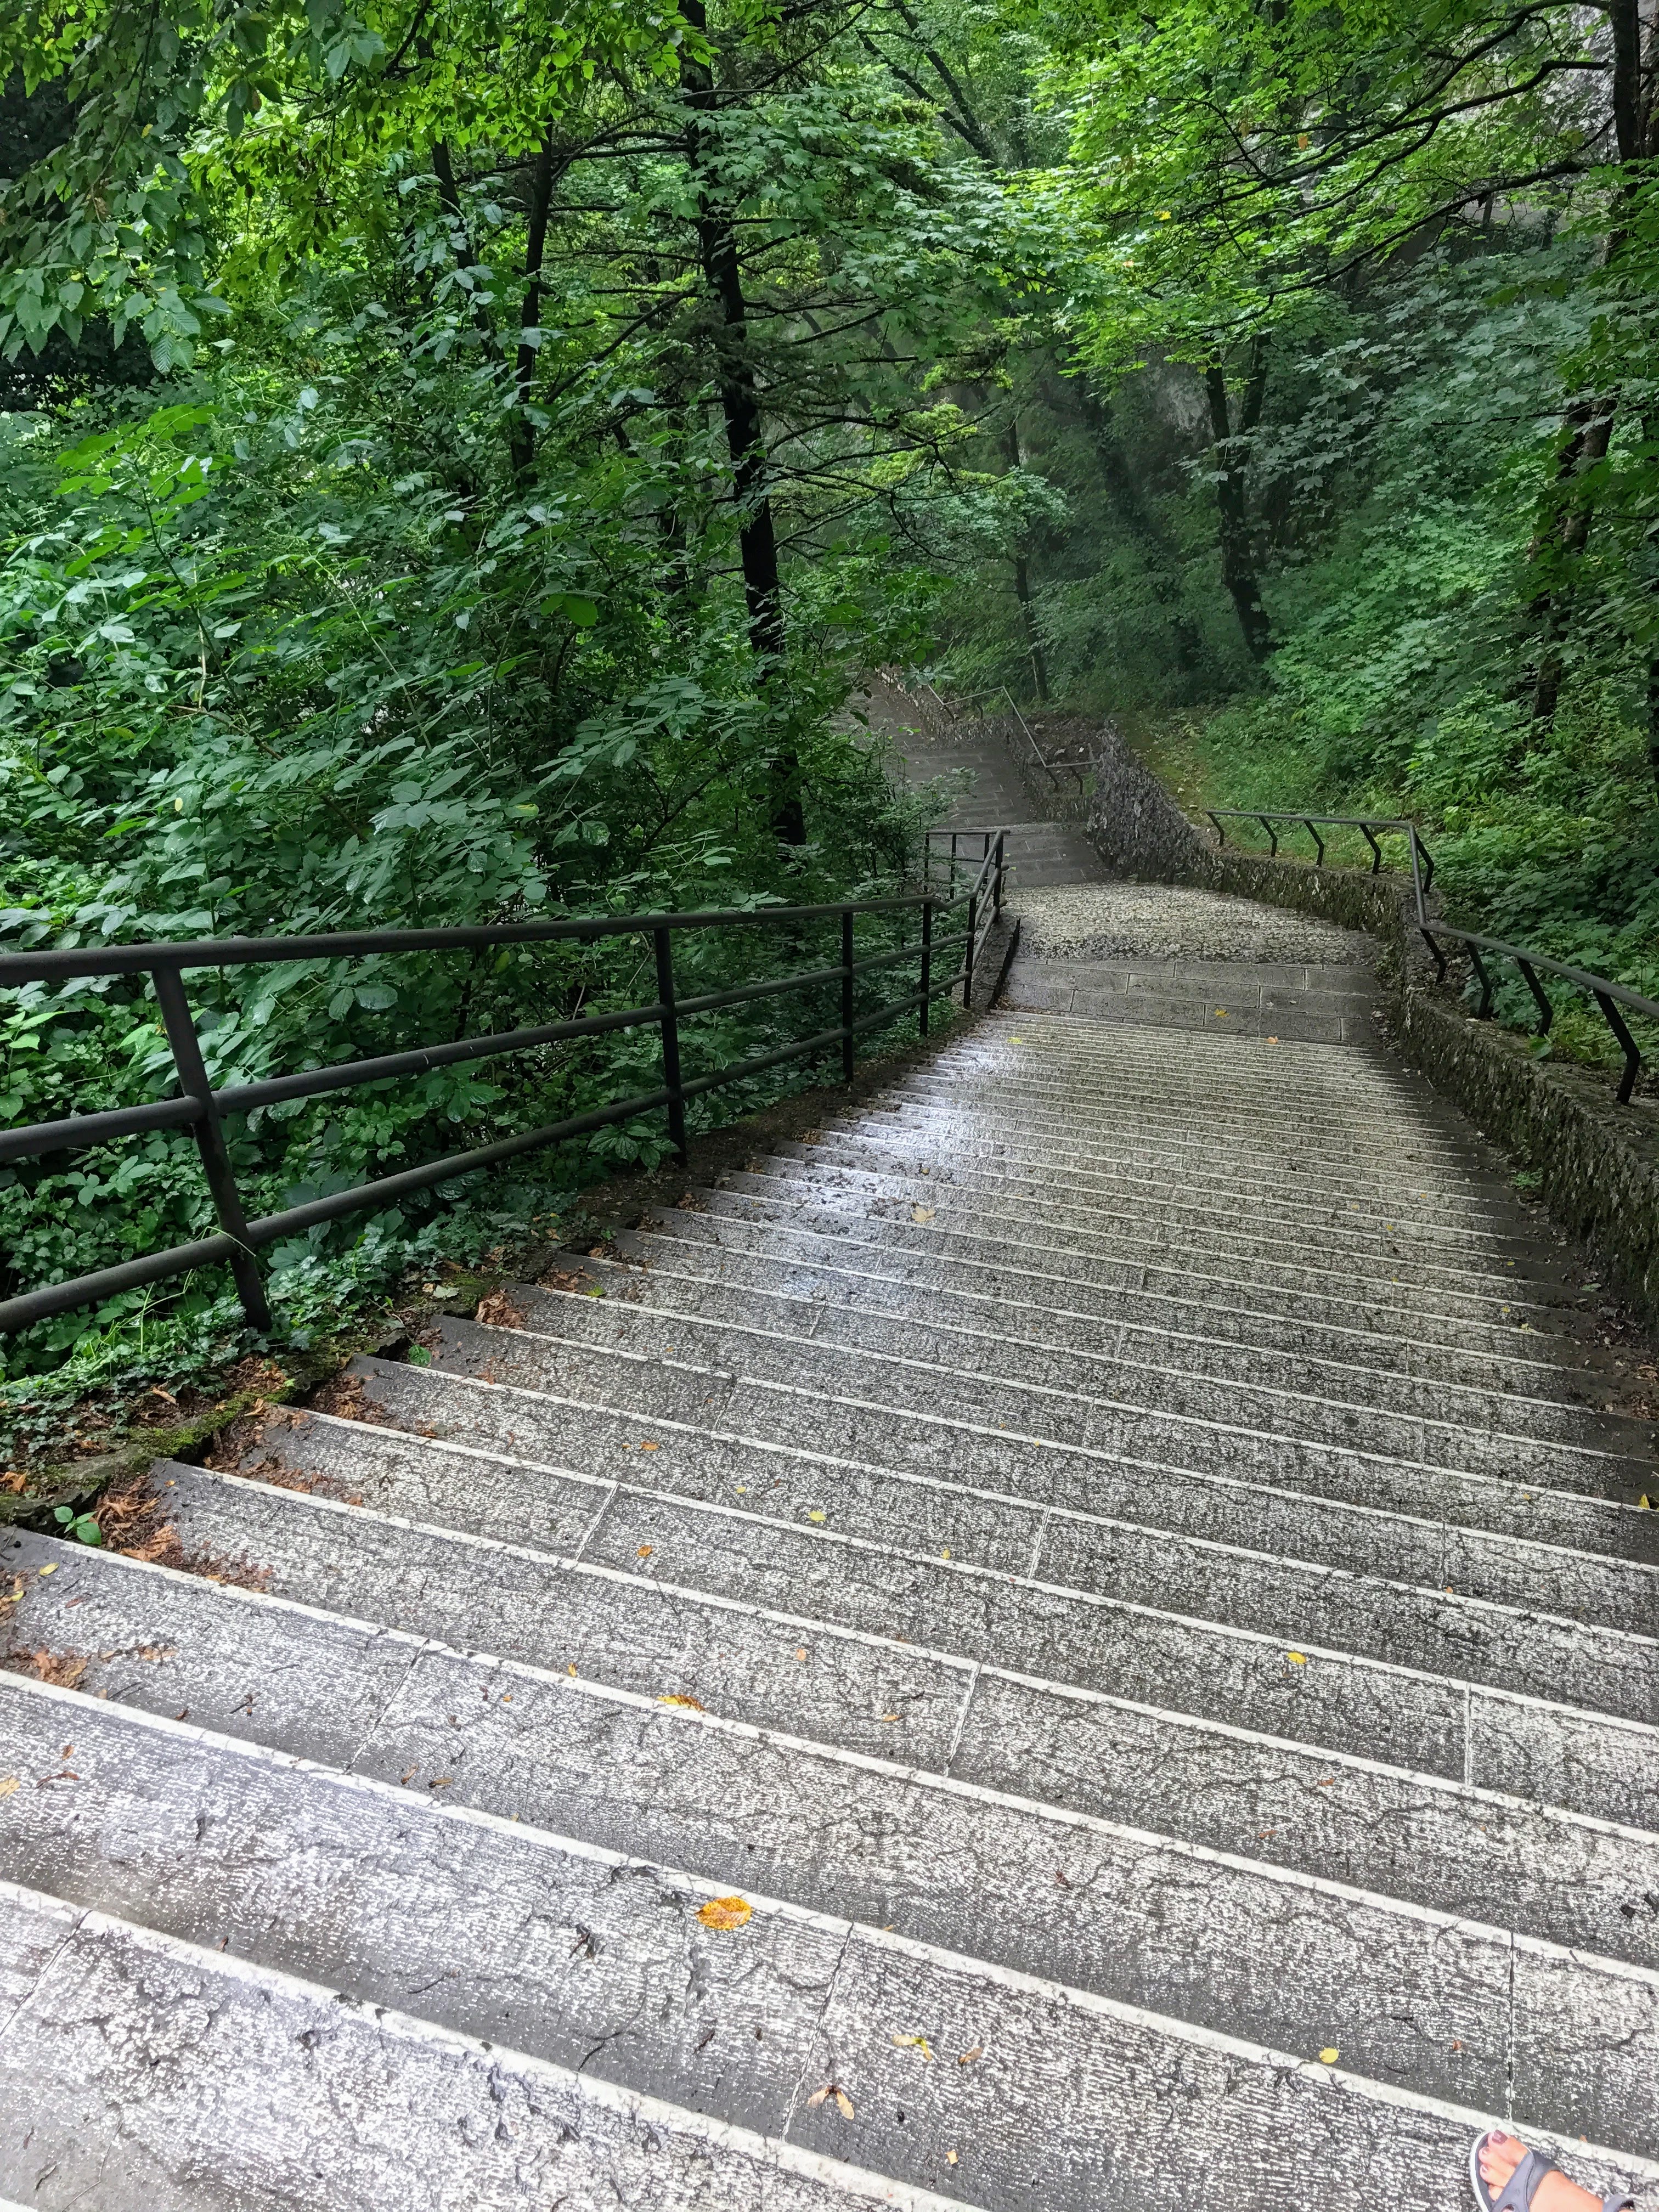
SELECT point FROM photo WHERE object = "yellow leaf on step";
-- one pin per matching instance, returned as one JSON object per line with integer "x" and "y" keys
{"x": 725, "y": 1913}
{"x": 1297, "y": 1658}
{"x": 7, "y": 1784}
{"x": 680, "y": 1698}
{"x": 923, "y": 1213}
{"x": 817, "y": 1513}
{"x": 915, "y": 2043}
{"x": 1329, "y": 2055}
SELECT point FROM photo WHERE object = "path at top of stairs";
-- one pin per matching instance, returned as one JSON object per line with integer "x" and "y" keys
{"x": 1084, "y": 1638}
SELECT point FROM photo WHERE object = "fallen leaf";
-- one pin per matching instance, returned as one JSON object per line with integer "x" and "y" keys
{"x": 1272, "y": 1040}
{"x": 915, "y": 2043}
{"x": 442, "y": 1782}
{"x": 969, "y": 2056}
{"x": 680, "y": 1698}
{"x": 726, "y": 1913}
{"x": 1222, "y": 1012}
{"x": 404, "y": 1779}
{"x": 887, "y": 1717}
{"x": 1297, "y": 1658}
{"x": 949, "y": 2157}
{"x": 7, "y": 1784}
{"x": 645, "y": 1444}
{"x": 1329, "y": 2055}
{"x": 921, "y": 1213}
{"x": 844, "y": 2103}
{"x": 1646, "y": 1503}
{"x": 1059, "y": 1877}
{"x": 48, "y": 1570}
{"x": 945, "y": 1555}
{"x": 570, "y": 1667}
{"x": 801, "y": 1652}
{"x": 817, "y": 1513}
{"x": 644, "y": 1551}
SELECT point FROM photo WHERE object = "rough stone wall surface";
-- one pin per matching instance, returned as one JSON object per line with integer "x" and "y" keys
{"x": 1598, "y": 1160}
{"x": 1137, "y": 828}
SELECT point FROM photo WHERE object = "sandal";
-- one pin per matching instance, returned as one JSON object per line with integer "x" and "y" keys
{"x": 1523, "y": 2185}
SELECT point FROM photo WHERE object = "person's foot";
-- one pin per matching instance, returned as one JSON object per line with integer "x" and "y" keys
{"x": 1498, "y": 2156}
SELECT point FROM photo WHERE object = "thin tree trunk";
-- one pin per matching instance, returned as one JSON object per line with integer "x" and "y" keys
{"x": 1162, "y": 563}
{"x": 541, "y": 196}
{"x": 1023, "y": 588}
{"x": 739, "y": 399}
{"x": 1232, "y": 450}
{"x": 1572, "y": 530}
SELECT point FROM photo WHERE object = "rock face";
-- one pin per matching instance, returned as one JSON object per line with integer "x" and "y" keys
{"x": 1134, "y": 824}
{"x": 1080, "y": 1641}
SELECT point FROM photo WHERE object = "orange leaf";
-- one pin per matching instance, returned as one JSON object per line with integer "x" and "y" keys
{"x": 728, "y": 1913}
{"x": 679, "y": 1698}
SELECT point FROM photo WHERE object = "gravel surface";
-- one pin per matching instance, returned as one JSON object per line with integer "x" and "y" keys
{"x": 1116, "y": 921}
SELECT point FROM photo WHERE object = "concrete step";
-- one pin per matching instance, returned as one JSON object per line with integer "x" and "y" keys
{"x": 1479, "y": 1430}
{"x": 1154, "y": 1194}
{"x": 139, "y": 2071}
{"x": 1117, "y": 1260}
{"x": 883, "y": 1408}
{"x": 725, "y": 1533}
{"x": 599, "y": 1961}
{"x": 680, "y": 1249}
{"x": 1158, "y": 1125}
{"x": 922, "y": 1852}
{"x": 740, "y": 1520}
{"x": 942, "y": 1133}
{"x": 765, "y": 1245}
{"x": 1343, "y": 1255}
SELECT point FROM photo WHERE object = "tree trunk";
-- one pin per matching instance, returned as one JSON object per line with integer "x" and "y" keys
{"x": 541, "y": 195}
{"x": 1232, "y": 451}
{"x": 1022, "y": 588}
{"x": 1163, "y": 564}
{"x": 1571, "y": 530}
{"x": 739, "y": 399}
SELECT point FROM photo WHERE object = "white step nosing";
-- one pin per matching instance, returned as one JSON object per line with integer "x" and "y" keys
{"x": 1020, "y": 1141}
{"x": 1353, "y": 1290}
{"x": 757, "y": 1227}
{"x": 1225, "y": 1201}
{"x": 1266, "y": 1437}
{"x": 954, "y": 1662}
{"x": 394, "y": 2027}
{"x": 1463, "y": 1282}
{"x": 1139, "y": 1366}
{"x": 457, "y": 1812}
{"x": 918, "y": 1479}
{"x": 1195, "y": 1724}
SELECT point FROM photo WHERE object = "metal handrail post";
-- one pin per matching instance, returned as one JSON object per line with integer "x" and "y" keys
{"x": 1002, "y": 841}
{"x": 669, "y": 1027}
{"x": 968, "y": 952}
{"x": 927, "y": 962}
{"x": 847, "y": 994}
{"x": 209, "y": 1135}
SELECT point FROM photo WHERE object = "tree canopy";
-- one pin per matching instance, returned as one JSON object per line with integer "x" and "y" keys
{"x": 462, "y": 457}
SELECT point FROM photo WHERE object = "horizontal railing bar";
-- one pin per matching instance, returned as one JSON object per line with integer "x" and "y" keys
{"x": 79, "y": 1130}
{"x": 771, "y": 989}
{"x": 318, "y": 1210}
{"x": 130, "y": 1275}
{"x": 244, "y": 1098}
{"x": 1581, "y": 976}
{"x": 244, "y": 951}
{"x": 1349, "y": 821}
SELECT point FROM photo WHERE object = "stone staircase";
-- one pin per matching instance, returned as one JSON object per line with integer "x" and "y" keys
{"x": 1083, "y": 1640}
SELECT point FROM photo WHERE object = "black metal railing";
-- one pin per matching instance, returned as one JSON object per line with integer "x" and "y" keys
{"x": 1609, "y": 996}
{"x": 974, "y": 885}
{"x": 1056, "y": 774}
{"x": 1422, "y": 861}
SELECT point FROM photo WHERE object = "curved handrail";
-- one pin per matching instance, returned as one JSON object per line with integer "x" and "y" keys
{"x": 1608, "y": 995}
